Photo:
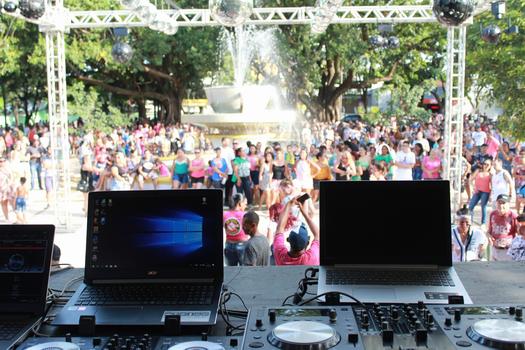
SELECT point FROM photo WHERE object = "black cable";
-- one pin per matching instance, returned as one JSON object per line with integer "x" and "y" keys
{"x": 225, "y": 313}
{"x": 285, "y": 300}
{"x": 340, "y": 293}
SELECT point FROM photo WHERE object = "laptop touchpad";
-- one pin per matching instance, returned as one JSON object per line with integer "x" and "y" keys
{"x": 124, "y": 314}
{"x": 374, "y": 293}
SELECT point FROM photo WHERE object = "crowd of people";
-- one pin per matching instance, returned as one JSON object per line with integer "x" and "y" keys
{"x": 256, "y": 176}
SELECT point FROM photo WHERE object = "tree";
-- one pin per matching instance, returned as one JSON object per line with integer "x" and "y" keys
{"x": 22, "y": 67}
{"x": 325, "y": 67}
{"x": 163, "y": 67}
{"x": 497, "y": 71}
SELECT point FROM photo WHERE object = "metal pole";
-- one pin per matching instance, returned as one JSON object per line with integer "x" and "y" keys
{"x": 454, "y": 99}
{"x": 58, "y": 116}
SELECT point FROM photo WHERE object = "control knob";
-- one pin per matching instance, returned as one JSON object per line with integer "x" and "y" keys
{"x": 353, "y": 338}
{"x": 457, "y": 315}
{"x": 395, "y": 314}
{"x": 448, "y": 322}
{"x": 519, "y": 314}
{"x": 272, "y": 315}
{"x": 430, "y": 319}
{"x": 333, "y": 315}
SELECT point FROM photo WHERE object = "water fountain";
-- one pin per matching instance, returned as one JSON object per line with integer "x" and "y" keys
{"x": 242, "y": 111}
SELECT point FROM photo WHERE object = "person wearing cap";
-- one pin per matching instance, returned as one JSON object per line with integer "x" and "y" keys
{"x": 502, "y": 228}
{"x": 517, "y": 246}
{"x": 299, "y": 253}
{"x": 468, "y": 243}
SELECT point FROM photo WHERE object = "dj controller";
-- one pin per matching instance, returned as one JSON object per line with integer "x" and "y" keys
{"x": 386, "y": 326}
{"x": 360, "y": 327}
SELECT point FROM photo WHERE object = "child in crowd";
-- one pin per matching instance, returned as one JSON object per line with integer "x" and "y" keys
{"x": 517, "y": 247}
{"x": 21, "y": 201}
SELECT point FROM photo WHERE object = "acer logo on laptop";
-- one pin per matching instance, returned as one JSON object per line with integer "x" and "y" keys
{"x": 152, "y": 273}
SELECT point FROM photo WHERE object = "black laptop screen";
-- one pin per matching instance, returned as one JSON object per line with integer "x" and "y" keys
{"x": 25, "y": 254}
{"x": 154, "y": 234}
{"x": 385, "y": 222}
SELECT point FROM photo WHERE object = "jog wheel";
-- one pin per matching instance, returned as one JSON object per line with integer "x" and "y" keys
{"x": 498, "y": 334}
{"x": 304, "y": 335}
{"x": 57, "y": 345}
{"x": 197, "y": 345}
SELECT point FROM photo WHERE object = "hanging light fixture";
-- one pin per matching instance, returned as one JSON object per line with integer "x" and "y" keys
{"x": 231, "y": 13}
{"x": 10, "y": 6}
{"x": 32, "y": 8}
{"x": 453, "y": 12}
{"x": 121, "y": 52}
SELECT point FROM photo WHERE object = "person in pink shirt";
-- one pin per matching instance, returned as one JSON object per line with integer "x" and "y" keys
{"x": 299, "y": 253}
{"x": 482, "y": 179}
{"x": 432, "y": 165}
{"x": 197, "y": 170}
{"x": 492, "y": 146}
{"x": 235, "y": 236}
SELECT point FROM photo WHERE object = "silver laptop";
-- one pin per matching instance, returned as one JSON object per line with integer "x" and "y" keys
{"x": 149, "y": 255}
{"x": 25, "y": 258}
{"x": 387, "y": 241}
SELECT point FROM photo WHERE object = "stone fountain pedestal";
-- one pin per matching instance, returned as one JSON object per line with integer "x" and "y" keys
{"x": 246, "y": 113}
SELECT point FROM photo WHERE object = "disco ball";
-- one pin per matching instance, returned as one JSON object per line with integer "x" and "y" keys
{"x": 491, "y": 34}
{"x": 10, "y": 6}
{"x": 122, "y": 52}
{"x": 32, "y": 8}
{"x": 453, "y": 12}
{"x": 231, "y": 12}
{"x": 131, "y": 4}
{"x": 147, "y": 12}
{"x": 377, "y": 41}
{"x": 393, "y": 42}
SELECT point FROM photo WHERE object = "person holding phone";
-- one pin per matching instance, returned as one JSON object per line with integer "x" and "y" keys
{"x": 299, "y": 238}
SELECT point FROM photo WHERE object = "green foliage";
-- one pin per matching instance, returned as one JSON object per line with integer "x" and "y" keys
{"x": 373, "y": 116}
{"x": 500, "y": 68}
{"x": 97, "y": 114}
{"x": 22, "y": 66}
{"x": 405, "y": 101}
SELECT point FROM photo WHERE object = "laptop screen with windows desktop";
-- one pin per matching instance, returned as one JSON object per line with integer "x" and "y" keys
{"x": 154, "y": 235}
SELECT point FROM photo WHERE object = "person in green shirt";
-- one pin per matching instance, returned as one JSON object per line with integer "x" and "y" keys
{"x": 384, "y": 156}
{"x": 241, "y": 174}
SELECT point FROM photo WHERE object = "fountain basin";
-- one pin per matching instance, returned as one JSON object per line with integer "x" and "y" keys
{"x": 242, "y": 99}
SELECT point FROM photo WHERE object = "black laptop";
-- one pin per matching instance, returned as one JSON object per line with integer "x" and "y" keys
{"x": 388, "y": 241}
{"x": 25, "y": 258}
{"x": 150, "y": 254}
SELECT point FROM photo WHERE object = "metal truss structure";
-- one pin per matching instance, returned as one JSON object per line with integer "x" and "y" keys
{"x": 58, "y": 119}
{"x": 58, "y": 20}
{"x": 260, "y": 16}
{"x": 454, "y": 100}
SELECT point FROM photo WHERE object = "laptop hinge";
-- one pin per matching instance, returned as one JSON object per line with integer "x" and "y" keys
{"x": 157, "y": 281}
{"x": 389, "y": 267}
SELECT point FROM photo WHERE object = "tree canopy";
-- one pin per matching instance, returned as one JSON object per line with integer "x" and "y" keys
{"x": 497, "y": 71}
{"x": 314, "y": 70}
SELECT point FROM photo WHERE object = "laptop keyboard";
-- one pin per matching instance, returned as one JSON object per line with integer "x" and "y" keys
{"x": 146, "y": 295}
{"x": 10, "y": 328}
{"x": 409, "y": 278}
